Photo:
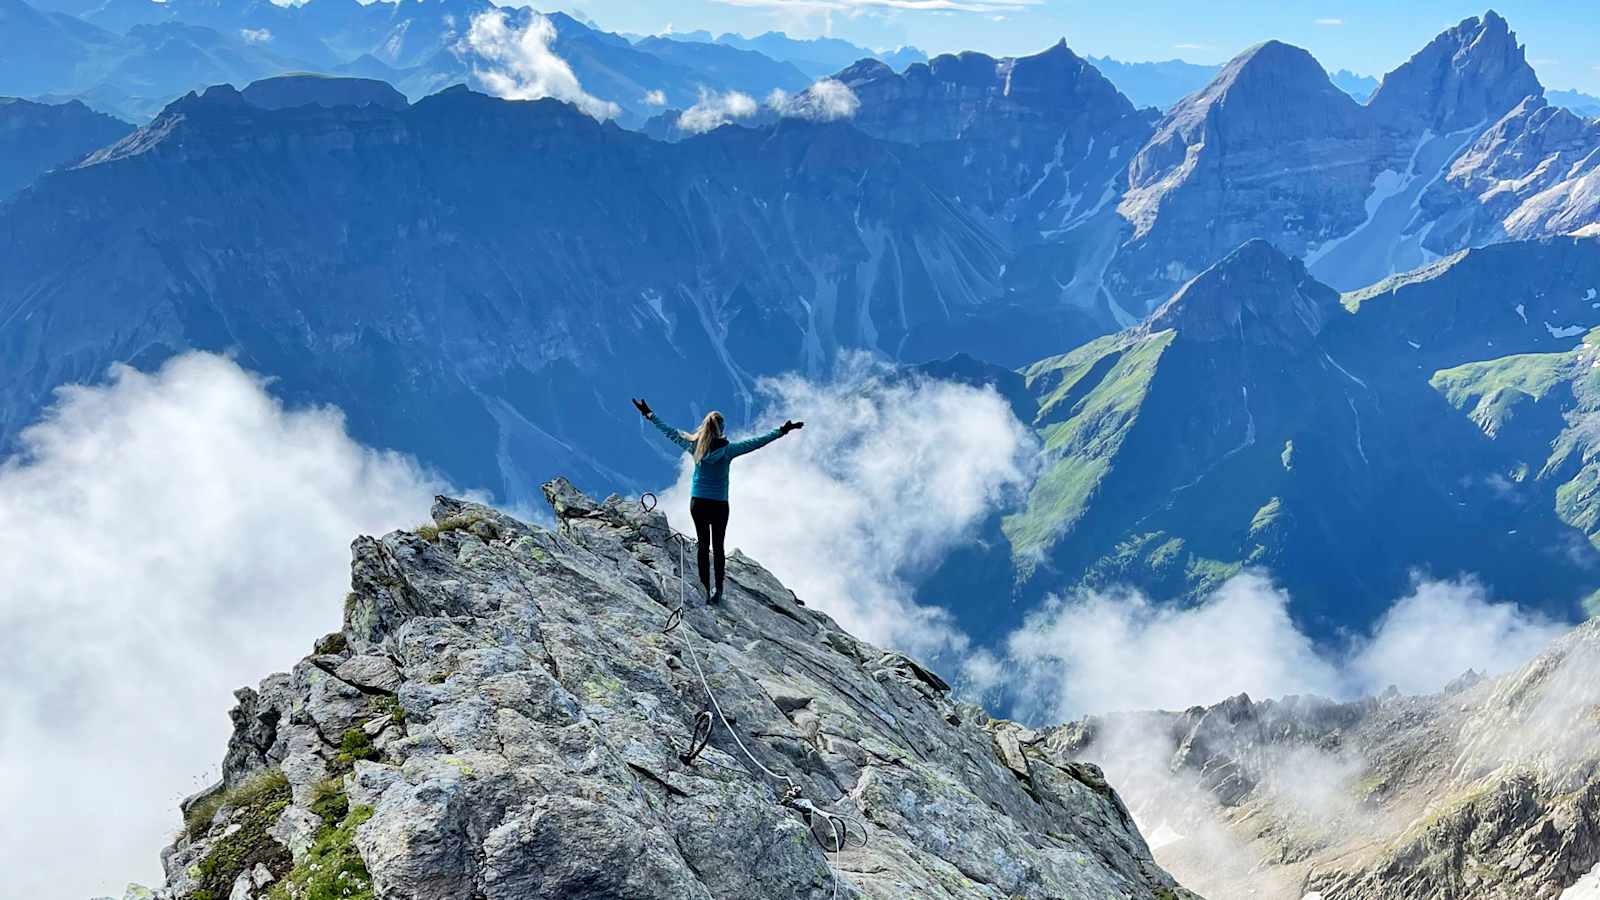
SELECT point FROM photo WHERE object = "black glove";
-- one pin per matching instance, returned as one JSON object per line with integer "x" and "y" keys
{"x": 791, "y": 426}
{"x": 642, "y": 407}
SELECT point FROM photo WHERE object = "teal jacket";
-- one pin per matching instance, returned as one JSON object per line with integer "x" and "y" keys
{"x": 711, "y": 472}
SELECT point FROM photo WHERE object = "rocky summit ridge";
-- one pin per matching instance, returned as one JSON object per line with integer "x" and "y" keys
{"x": 504, "y": 715}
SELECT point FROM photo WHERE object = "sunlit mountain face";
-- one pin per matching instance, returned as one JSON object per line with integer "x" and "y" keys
{"x": 1128, "y": 386}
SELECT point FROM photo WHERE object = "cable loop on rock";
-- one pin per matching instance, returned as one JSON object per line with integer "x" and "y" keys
{"x": 838, "y": 825}
{"x": 702, "y": 737}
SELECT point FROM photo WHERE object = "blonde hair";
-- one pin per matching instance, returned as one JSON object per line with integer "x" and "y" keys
{"x": 708, "y": 433}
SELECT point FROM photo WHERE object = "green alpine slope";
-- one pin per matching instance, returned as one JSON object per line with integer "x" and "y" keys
{"x": 1260, "y": 419}
{"x": 1545, "y": 408}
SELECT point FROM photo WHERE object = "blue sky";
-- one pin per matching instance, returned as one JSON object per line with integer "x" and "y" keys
{"x": 1367, "y": 36}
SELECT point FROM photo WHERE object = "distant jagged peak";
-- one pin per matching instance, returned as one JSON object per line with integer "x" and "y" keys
{"x": 1469, "y": 75}
{"x": 1256, "y": 294}
{"x": 1269, "y": 94}
{"x": 1272, "y": 83}
{"x": 951, "y": 94}
{"x": 1057, "y": 71}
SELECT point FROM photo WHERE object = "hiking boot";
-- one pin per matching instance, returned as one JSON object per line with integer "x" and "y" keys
{"x": 717, "y": 597}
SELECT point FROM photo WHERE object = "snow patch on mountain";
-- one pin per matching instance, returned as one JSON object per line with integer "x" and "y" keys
{"x": 1391, "y": 239}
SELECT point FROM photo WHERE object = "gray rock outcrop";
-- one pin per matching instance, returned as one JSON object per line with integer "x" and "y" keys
{"x": 1488, "y": 790}
{"x": 504, "y": 716}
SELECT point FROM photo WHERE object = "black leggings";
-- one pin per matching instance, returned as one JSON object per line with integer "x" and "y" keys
{"x": 710, "y": 527}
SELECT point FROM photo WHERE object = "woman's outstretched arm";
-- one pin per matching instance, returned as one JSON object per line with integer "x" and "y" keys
{"x": 756, "y": 443}
{"x": 673, "y": 434}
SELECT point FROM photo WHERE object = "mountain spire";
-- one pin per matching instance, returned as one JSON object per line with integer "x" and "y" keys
{"x": 1469, "y": 75}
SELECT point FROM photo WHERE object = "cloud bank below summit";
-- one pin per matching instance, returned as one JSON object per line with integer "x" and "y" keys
{"x": 889, "y": 474}
{"x": 1106, "y": 651}
{"x": 181, "y": 533}
{"x": 173, "y": 536}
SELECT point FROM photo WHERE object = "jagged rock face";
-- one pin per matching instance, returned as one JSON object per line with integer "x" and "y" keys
{"x": 1270, "y": 149}
{"x": 1468, "y": 76}
{"x": 1039, "y": 140}
{"x": 1534, "y": 172}
{"x": 962, "y": 96}
{"x": 36, "y": 137}
{"x": 1489, "y": 790}
{"x": 524, "y": 714}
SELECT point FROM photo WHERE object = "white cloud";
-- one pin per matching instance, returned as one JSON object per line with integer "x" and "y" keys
{"x": 1330, "y": 22}
{"x": 1101, "y": 652}
{"x": 1443, "y": 628}
{"x": 827, "y": 100}
{"x": 518, "y": 64}
{"x": 715, "y": 110}
{"x": 940, "y": 456}
{"x": 1191, "y": 47}
{"x": 656, "y": 98}
{"x": 1108, "y": 651}
{"x": 255, "y": 35}
{"x": 171, "y": 536}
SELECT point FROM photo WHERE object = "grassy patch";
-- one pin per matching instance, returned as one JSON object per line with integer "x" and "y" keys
{"x": 1492, "y": 392}
{"x": 390, "y": 704}
{"x": 332, "y": 868}
{"x": 430, "y": 531}
{"x": 259, "y": 801}
{"x": 1093, "y": 397}
{"x": 329, "y": 801}
{"x": 1266, "y": 516}
{"x": 354, "y": 744}
{"x": 266, "y": 784}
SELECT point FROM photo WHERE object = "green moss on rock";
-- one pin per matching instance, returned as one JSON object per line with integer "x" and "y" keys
{"x": 332, "y": 869}
{"x": 246, "y": 843}
{"x": 354, "y": 744}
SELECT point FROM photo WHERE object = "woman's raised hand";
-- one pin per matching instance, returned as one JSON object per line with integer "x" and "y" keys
{"x": 792, "y": 425}
{"x": 642, "y": 407}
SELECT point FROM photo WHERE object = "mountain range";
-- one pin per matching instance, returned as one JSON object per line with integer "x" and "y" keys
{"x": 1169, "y": 284}
{"x": 1262, "y": 325}
{"x": 1162, "y": 84}
{"x": 131, "y": 57}
{"x": 817, "y": 57}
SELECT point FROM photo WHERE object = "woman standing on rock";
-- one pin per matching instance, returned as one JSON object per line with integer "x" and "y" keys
{"x": 708, "y": 497}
